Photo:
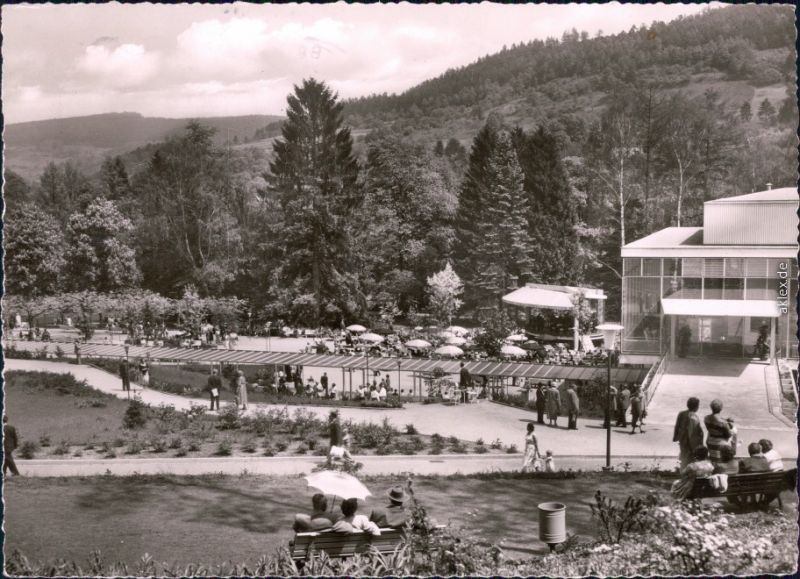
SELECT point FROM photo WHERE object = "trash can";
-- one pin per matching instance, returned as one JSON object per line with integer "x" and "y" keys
{"x": 552, "y": 523}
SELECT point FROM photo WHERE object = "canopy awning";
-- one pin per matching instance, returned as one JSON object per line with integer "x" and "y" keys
{"x": 530, "y": 297}
{"x": 752, "y": 308}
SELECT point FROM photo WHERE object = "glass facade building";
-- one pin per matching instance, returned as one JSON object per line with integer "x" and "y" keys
{"x": 714, "y": 289}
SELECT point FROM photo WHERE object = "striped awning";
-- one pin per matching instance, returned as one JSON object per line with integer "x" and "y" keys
{"x": 359, "y": 362}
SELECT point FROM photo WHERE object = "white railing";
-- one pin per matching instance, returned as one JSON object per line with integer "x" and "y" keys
{"x": 652, "y": 379}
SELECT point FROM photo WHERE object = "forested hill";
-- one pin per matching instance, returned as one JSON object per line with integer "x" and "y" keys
{"x": 87, "y": 140}
{"x": 745, "y": 53}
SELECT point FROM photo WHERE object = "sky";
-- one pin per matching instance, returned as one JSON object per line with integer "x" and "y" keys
{"x": 194, "y": 60}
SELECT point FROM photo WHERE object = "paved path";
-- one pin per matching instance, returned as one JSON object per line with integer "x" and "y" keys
{"x": 484, "y": 420}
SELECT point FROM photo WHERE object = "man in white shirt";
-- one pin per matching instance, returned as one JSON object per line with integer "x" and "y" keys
{"x": 382, "y": 393}
{"x": 353, "y": 522}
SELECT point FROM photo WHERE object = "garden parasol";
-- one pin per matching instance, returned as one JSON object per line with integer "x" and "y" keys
{"x": 339, "y": 484}
{"x": 516, "y": 338}
{"x": 451, "y": 351}
{"x": 458, "y": 330}
{"x": 418, "y": 344}
{"x": 357, "y": 328}
{"x": 455, "y": 341}
{"x": 513, "y": 351}
{"x": 374, "y": 338}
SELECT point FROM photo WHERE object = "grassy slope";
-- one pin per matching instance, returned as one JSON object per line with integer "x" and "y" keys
{"x": 185, "y": 519}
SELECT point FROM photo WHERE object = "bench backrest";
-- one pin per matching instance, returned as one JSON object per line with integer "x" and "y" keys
{"x": 750, "y": 483}
{"x": 345, "y": 544}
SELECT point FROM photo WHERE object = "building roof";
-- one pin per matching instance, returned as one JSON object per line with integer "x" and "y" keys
{"x": 591, "y": 293}
{"x": 669, "y": 238}
{"x": 531, "y": 297}
{"x": 785, "y": 194}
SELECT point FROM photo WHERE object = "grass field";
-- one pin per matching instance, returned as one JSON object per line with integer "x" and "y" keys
{"x": 184, "y": 519}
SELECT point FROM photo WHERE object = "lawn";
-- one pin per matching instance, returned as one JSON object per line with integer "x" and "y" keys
{"x": 66, "y": 419}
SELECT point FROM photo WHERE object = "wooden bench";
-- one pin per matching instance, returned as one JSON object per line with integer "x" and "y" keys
{"x": 766, "y": 484}
{"x": 343, "y": 545}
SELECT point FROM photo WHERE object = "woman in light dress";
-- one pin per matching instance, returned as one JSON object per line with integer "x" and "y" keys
{"x": 531, "y": 450}
{"x": 241, "y": 383}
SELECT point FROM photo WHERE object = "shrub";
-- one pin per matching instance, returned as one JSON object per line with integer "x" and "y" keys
{"x": 452, "y": 440}
{"x": 119, "y": 442}
{"x": 176, "y": 442}
{"x": 134, "y": 446}
{"x": 496, "y": 444}
{"x": 384, "y": 449}
{"x": 135, "y": 415}
{"x": 418, "y": 443}
{"x": 194, "y": 445}
{"x": 616, "y": 521}
{"x": 301, "y": 449}
{"x": 512, "y": 449}
{"x": 249, "y": 446}
{"x": 268, "y": 450}
{"x": 224, "y": 448}
{"x": 458, "y": 447}
{"x": 158, "y": 444}
{"x": 77, "y": 453}
{"x": 181, "y": 452}
{"x": 479, "y": 442}
{"x": 481, "y": 449}
{"x": 110, "y": 453}
{"x": 437, "y": 439}
{"x": 61, "y": 449}
{"x": 28, "y": 449}
{"x": 281, "y": 445}
{"x": 44, "y": 441}
{"x": 436, "y": 448}
{"x": 320, "y": 451}
{"x": 229, "y": 418}
{"x": 411, "y": 429}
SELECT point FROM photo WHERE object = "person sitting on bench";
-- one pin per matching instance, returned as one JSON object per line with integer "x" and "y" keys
{"x": 698, "y": 468}
{"x": 319, "y": 518}
{"x": 755, "y": 462}
{"x": 773, "y": 458}
{"x": 351, "y": 521}
{"x": 728, "y": 463}
{"x": 394, "y": 514}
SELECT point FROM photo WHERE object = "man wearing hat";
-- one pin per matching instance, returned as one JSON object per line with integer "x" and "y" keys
{"x": 394, "y": 515}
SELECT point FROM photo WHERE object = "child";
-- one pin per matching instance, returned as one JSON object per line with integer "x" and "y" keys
{"x": 549, "y": 463}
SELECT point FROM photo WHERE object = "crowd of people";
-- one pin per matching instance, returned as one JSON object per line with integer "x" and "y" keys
{"x": 713, "y": 452}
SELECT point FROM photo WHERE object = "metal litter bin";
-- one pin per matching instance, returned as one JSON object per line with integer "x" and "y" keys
{"x": 552, "y": 523}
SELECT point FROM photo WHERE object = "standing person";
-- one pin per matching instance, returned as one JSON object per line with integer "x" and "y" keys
{"x": 610, "y": 409}
{"x": 241, "y": 383}
{"x": 10, "y": 443}
{"x": 324, "y": 383}
{"x": 464, "y": 382}
{"x": 144, "y": 373}
{"x": 553, "y": 404}
{"x": 624, "y": 402}
{"x": 78, "y": 351}
{"x": 214, "y": 385}
{"x": 719, "y": 432}
{"x": 541, "y": 403}
{"x": 636, "y": 411}
{"x": 334, "y": 429}
{"x": 573, "y": 407}
{"x": 124, "y": 373}
{"x": 531, "y": 450}
{"x": 688, "y": 431}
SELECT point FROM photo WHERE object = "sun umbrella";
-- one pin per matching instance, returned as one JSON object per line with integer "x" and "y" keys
{"x": 419, "y": 344}
{"x": 452, "y": 351}
{"x": 340, "y": 484}
{"x": 513, "y": 351}
{"x": 531, "y": 345}
{"x": 445, "y": 334}
{"x": 516, "y": 338}
{"x": 356, "y": 328}
{"x": 458, "y": 330}
{"x": 374, "y": 338}
{"x": 455, "y": 341}
{"x": 418, "y": 328}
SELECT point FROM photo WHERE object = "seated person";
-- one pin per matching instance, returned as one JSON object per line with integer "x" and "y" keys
{"x": 333, "y": 393}
{"x": 382, "y": 393}
{"x": 699, "y": 467}
{"x": 319, "y": 518}
{"x": 772, "y": 456}
{"x": 394, "y": 514}
{"x": 728, "y": 463}
{"x": 373, "y": 393}
{"x": 351, "y": 522}
{"x": 755, "y": 462}
{"x": 361, "y": 393}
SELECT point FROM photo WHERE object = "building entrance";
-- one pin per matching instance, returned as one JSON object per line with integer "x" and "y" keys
{"x": 714, "y": 336}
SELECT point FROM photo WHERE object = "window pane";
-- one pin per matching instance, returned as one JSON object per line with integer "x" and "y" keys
{"x": 692, "y": 267}
{"x": 712, "y": 289}
{"x": 756, "y": 267}
{"x": 632, "y": 266}
{"x": 714, "y": 267}
{"x": 734, "y": 267}
{"x": 761, "y": 289}
{"x": 651, "y": 267}
{"x": 672, "y": 266}
{"x": 683, "y": 288}
{"x": 733, "y": 289}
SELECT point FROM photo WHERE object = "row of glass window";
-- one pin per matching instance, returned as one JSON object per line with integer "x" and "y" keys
{"x": 714, "y": 267}
{"x": 644, "y": 293}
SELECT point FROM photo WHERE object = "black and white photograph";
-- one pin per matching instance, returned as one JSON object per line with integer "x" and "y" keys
{"x": 358, "y": 290}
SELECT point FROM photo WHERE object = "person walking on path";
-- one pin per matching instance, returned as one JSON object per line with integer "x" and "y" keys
{"x": 213, "y": 386}
{"x": 688, "y": 431}
{"x": 323, "y": 381}
{"x": 241, "y": 383}
{"x": 637, "y": 411}
{"x": 610, "y": 409}
{"x": 719, "y": 432}
{"x": 623, "y": 403}
{"x": 10, "y": 443}
{"x": 334, "y": 429}
{"x": 464, "y": 382}
{"x": 125, "y": 374}
{"x": 573, "y": 407}
{"x": 78, "y": 351}
{"x": 553, "y": 404}
{"x": 531, "y": 450}
{"x": 541, "y": 403}
{"x": 144, "y": 373}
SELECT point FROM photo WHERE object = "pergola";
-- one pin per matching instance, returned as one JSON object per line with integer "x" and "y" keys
{"x": 417, "y": 366}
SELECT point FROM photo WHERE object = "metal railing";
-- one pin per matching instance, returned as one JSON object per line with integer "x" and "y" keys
{"x": 652, "y": 379}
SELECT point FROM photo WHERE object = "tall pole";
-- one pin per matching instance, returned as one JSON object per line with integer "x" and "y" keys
{"x": 608, "y": 410}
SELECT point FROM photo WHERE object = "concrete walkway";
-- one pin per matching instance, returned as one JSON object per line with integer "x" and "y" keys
{"x": 484, "y": 420}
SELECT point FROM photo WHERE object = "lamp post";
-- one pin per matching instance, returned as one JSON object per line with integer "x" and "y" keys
{"x": 399, "y": 362}
{"x": 269, "y": 333}
{"x": 609, "y": 331}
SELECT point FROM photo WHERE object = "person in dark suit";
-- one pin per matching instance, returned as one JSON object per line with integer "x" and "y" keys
{"x": 10, "y": 443}
{"x": 756, "y": 462}
{"x": 553, "y": 404}
{"x": 334, "y": 428}
{"x": 623, "y": 403}
{"x": 611, "y": 406}
{"x": 464, "y": 382}
{"x": 124, "y": 373}
{"x": 394, "y": 514}
{"x": 573, "y": 407}
{"x": 541, "y": 403}
{"x": 213, "y": 386}
{"x": 319, "y": 518}
{"x": 324, "y": 383}
{"x": 637, "y": 411}
{"x": 688, "y": 431}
